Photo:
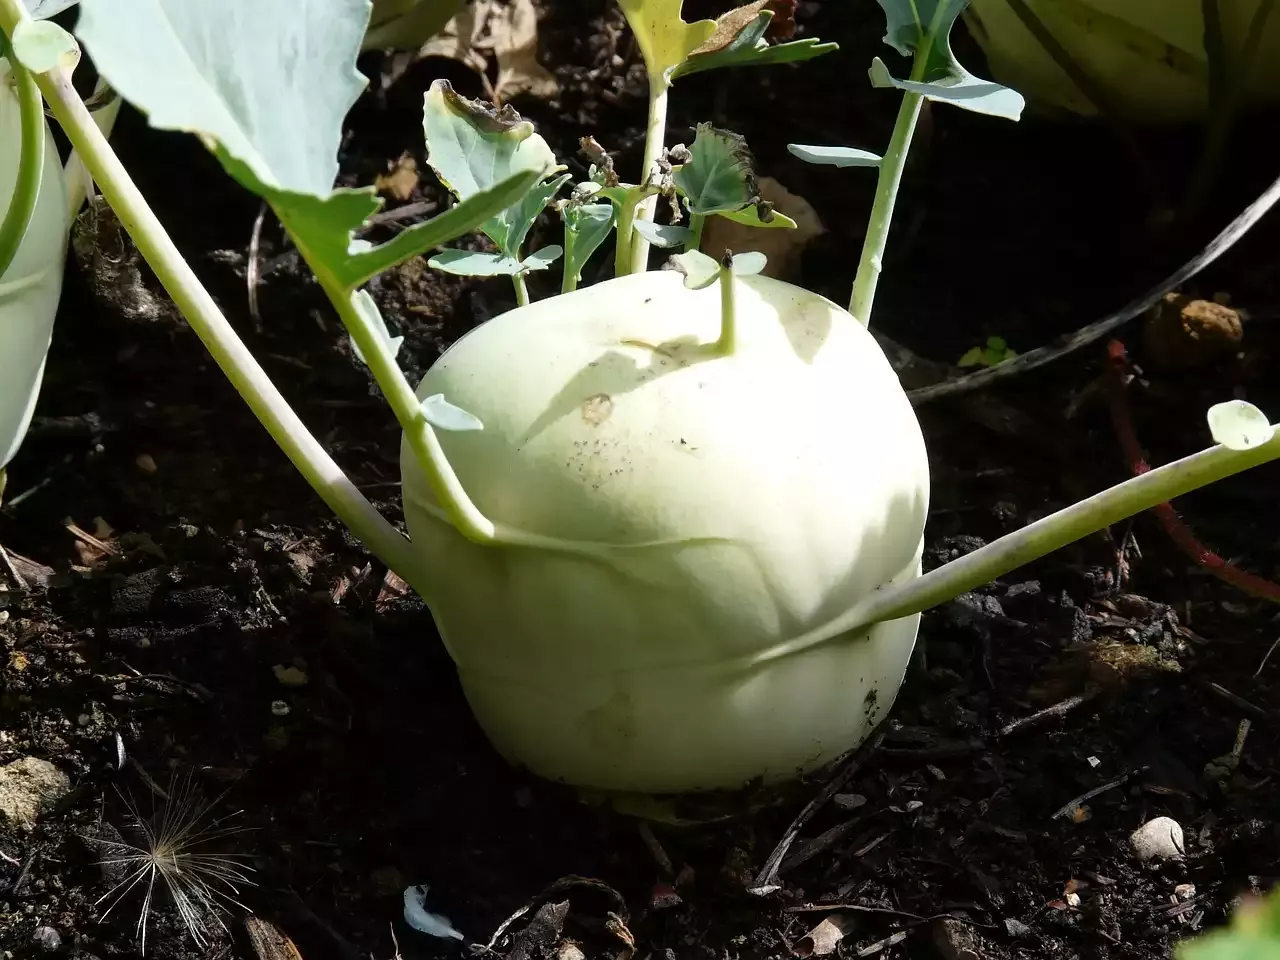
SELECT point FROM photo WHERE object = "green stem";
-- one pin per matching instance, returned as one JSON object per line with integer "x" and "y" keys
{"x": 231, "y": 355}
{"x": 626, "y": 237}
{"x": 891, "y": 166}
{"x": 1036, "y": 540}
{"x": 26, "y": 189}
{"x": 77, "y": 178}
{"x": 422, "y": 439}
{"x": 696, "y": 222}
{"x": 728, "y": 339}
{"x": 655, "y": 135}
{"x": 522, "y": 289}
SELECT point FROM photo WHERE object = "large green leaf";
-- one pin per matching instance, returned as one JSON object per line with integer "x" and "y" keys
{"x": 719, "y": 175}
{"x": 408, "y": 24}
{"x": 266, "y": 84}
{"x": 663, "y": 37}
{"x": 922, "y": 28}
{"x": 472, "y": 147}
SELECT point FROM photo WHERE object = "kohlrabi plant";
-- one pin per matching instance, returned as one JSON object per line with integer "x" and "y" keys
{"x": 669, "y": 524}
{"x": 34, "y": 229}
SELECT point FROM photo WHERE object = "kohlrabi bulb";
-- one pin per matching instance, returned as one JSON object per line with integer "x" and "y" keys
{"x": 709, "y": 509}
{"x": 32, "y": 284}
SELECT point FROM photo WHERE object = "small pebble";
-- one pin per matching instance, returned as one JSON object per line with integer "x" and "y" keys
{"x": 146, "y": 463}
{"x": 849, "y": 801}
{"x": 1184, "y": 891}
{"x": 1158, "y": 839}
{"x": 279, "y": 708}
{"x": 1016, "y": 928}
{"x": 47, "y": 939}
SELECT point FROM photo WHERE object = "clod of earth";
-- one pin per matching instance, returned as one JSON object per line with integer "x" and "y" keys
{"x": 28, "y": 787}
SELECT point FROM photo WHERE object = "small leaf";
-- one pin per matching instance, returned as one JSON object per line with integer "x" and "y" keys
{"x": 749, "y": 263}
{"x": 719, "y": 174}
{"x": 471, "y": 147}
{"x": 408, "y": 24}
{"x": 973, "y": 357}
{"x": 740, "y": 41}
{"x": 369, "y": 313}
{"x": 543, "y": 258}
{"x": 443, "y": 415}
{"x": 965, "y": 90}
{"x": 834, "y": 156}
{"x": 699, "y": 270}
{"x": 1239, "y": 425}
{"x": 322, "y": 228}
{"x": 42, "y": 45}
{"x": 750, "y": 216}
{"x": 915, "y": 25}
{"x": 466, "y": 263}
{"x": 664, "y": 39}
{"x": 663, "y": 236}
{"x": 585, "y": 227}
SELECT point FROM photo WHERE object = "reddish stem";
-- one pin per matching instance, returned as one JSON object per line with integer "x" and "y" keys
{"x": 1118, "y": 376}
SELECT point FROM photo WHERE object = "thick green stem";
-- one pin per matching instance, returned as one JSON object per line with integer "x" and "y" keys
{"x": 462, "y": 513}
{"x": 655, "y": 135}
{"x": 891, "y": 166}
{"x": 76, "y": 176}
{"x": 696, "y": 223}
{"x": 231, "y": 355}
{"x": 728, "y": 339}
{"x": 26, "y": 188}
{"x": 522, "y": 289}
{"x": 1035, "y": 541}
{"x": 626, "y": 237}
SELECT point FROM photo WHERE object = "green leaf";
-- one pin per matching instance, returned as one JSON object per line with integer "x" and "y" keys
{"x": 585, "y": 227}
{"x": 43, "y": 9}
{"x": 749, "y": 263}
{"x": 323, "y": 228}
{"x": 834, "y": 156}
{"x": 543, "y": 258}
{"x": 265, "y": 85}
{"x": 750, "y": 49}
{"x": 443, "y": 415}
{"x": 749, "y": 216}
{"x": 471, "y": 147}
{"x": 664, "y": 39}
{"x": 719, "y": 175}
{"x": 1253, "y": 934}
{"x": 408, "y": 24}
{"x": 372, "y": 317}
{"x": 960, "y": 89}
{"x": 42, "y": 45}
{"x": 922, "y": 29}
{"x": 973, "y": 357}
{"x": 699, "y": 270}
{"x": 1239, "y": 425}
{"x": 467, "y": 263}
{"x": 663, "y": 235}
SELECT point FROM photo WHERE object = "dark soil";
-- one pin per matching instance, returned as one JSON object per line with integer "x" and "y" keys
{"x": 211, "y": 564}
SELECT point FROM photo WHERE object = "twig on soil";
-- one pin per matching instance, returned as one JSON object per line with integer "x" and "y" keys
{"x": 1057, "y": 710}
{"x": 560, "y": 886}
{"x": 1118, "y": 375}
{"x": 655, "y": 848}
{"x": 1236, "y": 700}
{"x": 1267, "y": 657}
{"x": 16, "y": 886}
{"x": 8, "y": 859}
{"x": 766, "y": 879}
{"x": 889, "y": 941}
{"x": 11, "y": 571}
{"x": 818, "y": 844}
{"x": 1067, "y": 808}
{"x": 1100, "y": 328}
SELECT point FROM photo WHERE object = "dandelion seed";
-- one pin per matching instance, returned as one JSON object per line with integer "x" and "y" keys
{"x": 173, "y": 858}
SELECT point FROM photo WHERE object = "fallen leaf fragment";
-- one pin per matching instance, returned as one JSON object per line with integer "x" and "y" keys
{"x": 825, "y": 937}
